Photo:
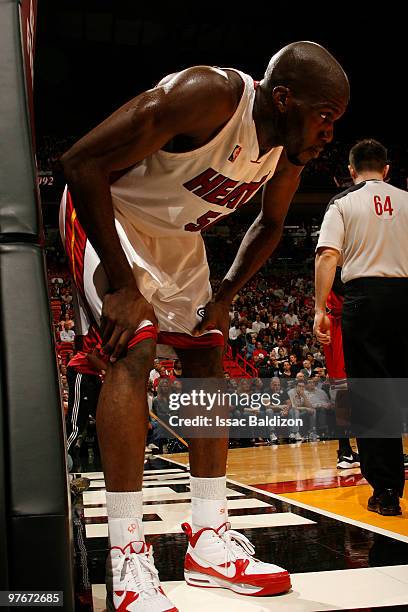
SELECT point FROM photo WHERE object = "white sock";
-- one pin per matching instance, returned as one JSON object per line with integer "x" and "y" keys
{"x": 208, "y": 502}
{"x": 125, "y": 513}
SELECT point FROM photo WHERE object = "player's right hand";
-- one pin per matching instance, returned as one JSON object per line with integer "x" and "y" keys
{"x": 122, "y": 312}
{"x": 321, "y": 327}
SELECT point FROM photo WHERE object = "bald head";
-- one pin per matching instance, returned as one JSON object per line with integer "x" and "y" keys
{"x": 308, "y": 70}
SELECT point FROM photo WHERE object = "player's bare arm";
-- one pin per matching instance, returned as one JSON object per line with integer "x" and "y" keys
{"x": 192, "y": 105}
{"x": 258, "y": 243}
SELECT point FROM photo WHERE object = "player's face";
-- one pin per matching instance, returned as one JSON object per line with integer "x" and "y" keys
{"x": 310, "y": 127}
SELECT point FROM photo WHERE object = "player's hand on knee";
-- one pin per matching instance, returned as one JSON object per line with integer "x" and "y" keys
{"x": 122, "y": 313}
{"x": 216, "y": 316}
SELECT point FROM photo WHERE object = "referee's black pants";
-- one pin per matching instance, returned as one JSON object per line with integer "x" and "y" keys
{"x": 83, "y": 394}
{"x": 375, "y": 344}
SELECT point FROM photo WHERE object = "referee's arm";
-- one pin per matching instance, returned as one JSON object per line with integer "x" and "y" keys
{"x": 328, "y": 253}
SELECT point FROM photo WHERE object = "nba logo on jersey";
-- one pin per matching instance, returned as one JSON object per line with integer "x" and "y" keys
{"x": 237, "y": 150}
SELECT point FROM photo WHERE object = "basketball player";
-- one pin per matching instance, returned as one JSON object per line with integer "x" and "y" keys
{"x": 141, "y": 188}
{"x": 84, "y": 373}
{"x": 333, "y": 352}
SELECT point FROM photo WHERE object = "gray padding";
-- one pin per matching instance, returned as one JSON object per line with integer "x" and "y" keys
{"x": 35, "y": 421}
{"x": 3, "y": 493}
{"x": 19, "y": 212}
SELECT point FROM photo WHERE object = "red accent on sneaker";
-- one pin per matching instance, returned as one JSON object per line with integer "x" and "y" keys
{"x": 269, "y": 584}
{"x": 187, "y": 530}
{"x": 194, "y": 537}
{"x": 260, "y": 580}
{"x": 131, "y": 597}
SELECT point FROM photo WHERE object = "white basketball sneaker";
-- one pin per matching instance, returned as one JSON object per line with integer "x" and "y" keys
{"x": 223, "y": 558}
{"x": 132, "y": 581}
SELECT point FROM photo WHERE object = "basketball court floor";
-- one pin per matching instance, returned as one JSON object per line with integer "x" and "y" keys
{"x": 298, "y": 510}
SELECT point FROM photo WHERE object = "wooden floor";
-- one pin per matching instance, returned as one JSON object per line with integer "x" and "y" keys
{"x": 307, "y": 473}
{"x": 295, "y": 509}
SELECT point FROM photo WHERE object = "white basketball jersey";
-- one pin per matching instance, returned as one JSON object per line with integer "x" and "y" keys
{"x": 187, "y": 192}
{"x": 162, "y": 204}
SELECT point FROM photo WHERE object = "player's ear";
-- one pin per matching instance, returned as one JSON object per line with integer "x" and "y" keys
{"x": 281, "y": 96}
{"x": 386, "y": 170}
{"x": 352, "y": 171}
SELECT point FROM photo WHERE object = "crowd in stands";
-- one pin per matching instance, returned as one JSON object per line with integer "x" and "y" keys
{"x": 328, "y": 171}
{"x": 50, "y": 149}
{"x": 60, "y": 292}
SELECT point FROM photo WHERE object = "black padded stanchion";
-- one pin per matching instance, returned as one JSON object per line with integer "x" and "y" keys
{"x": 39, "y": 551}
{"x": 35, "y": 534}
{"x": 19, "y": 212}
{"x": 3, "y": 487}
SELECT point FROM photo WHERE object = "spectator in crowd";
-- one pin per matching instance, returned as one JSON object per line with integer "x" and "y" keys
{"x": 162, "y": 374}
{"x": 65, "y": 295}
{"x": 259, "y": 350}
{"x": 250, "y": 348}
{"x": 307, "y": 368}
{"x": 282, "y": 356}
{"x": 301, "y": 407}
{"x": 294, "y": 366}
{"x": 257, "y": 325}
{"x": 275, "y": 408}
{"x": 291, "y": 318}
{"x": 233, "y": 334}
{"x": 67, "y": 334}
{"x": 279, "y": 345}
{"x": 286, "y": 373}
{"x": 177, "y": 369}
{"x": 66, "y": 320}
{"x": 314, "y": 363}
{"x": 242, "y": 340}
{"x": 324, "y": 408}
{"x": 155, "y": 372}
{"x": 267, "y": 342}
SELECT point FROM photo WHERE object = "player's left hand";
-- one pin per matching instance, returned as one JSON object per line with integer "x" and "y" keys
{"x": 321, "y": 327}
{"x": 216, "y": 316}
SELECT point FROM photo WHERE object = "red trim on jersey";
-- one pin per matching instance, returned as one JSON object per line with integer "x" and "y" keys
{"x": 256, "y": 84}
{"x": 75, "y": 243}
{"x": 185, "y": 341}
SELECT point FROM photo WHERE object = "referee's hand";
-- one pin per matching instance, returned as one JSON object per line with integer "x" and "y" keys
{"x": 321, "y": 327}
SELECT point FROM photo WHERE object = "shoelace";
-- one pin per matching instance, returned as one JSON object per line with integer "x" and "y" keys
{"x": 237, "y": 546}
{"x": 143, "y": 572}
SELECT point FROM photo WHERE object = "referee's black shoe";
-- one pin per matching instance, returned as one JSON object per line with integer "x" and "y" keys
{"x": 386, "y": 503}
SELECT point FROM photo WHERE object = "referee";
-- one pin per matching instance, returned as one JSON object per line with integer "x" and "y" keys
{"x": 368, "y": 225}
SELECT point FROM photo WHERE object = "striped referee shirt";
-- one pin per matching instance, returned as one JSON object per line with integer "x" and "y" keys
{"x": 368, "y": 224}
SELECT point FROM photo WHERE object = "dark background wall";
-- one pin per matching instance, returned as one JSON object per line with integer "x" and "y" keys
{"x": 92, "y": 55}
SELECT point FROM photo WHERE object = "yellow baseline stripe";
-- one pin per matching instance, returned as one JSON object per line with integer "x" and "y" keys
{"x": 351, "y": 502}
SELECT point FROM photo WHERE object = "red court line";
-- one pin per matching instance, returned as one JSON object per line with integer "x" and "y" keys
{"x": 313, "y": 484}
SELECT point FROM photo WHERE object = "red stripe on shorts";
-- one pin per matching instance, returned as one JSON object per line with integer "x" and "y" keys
{"x": 185, "y": 341}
